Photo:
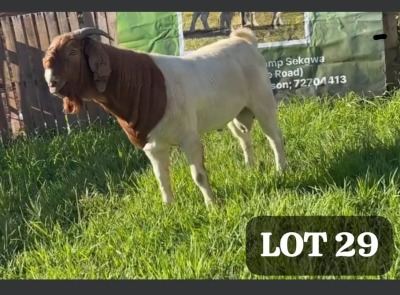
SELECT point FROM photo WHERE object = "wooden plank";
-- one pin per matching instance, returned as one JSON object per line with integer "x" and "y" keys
{"x": 10, "y": 67}
{"x": 4, "y": 131}
{"x": 102, "y": 25}
{"x": 42, "y": 30}
{"x": 7, "y": 94}
{"x": 63, "y": 22}
{"x": 52, "y": 25}
{"x": 5, "y": 14}
{"x": 49, "y": 103}
{"x": 31, "y": 110}
{"x": 35, "y": 56}
{"x": 89, "y": 19}
{"x": 112, "y": 26}
{"x": 73, "y": 20}
{"x": 4, "y": 128}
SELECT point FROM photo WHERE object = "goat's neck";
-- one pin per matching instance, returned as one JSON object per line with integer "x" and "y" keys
{"x": 135, "y": 93}
{"x": 128, "y": 84}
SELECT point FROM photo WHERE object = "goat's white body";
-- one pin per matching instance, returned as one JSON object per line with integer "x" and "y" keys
{"x": 209, "y": 87}
{"x": 223, "y": 83}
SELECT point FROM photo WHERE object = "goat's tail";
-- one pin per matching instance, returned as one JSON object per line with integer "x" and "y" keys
{"x": 246, "y": 34}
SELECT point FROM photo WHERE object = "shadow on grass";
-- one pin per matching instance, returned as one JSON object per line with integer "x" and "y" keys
{"x": 42, "y": 180}
{"x": 373, "y": 163}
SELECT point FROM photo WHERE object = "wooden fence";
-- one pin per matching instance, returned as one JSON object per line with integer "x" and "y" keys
{"x": 26, "y": 105}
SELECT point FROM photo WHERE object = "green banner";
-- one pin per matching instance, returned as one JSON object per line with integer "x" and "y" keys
{"x": 339, "y": 55}
{"x": 149, "y": 32}
{"x": 311, "y": 53}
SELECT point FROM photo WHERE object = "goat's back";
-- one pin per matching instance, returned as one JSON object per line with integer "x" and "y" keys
{"x": 229, "y": 64}
{"x": 215, "y": 82}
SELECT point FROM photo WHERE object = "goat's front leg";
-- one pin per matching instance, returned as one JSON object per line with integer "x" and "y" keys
{"x": 159, "y": 159}
{"x": 193, "y": 149}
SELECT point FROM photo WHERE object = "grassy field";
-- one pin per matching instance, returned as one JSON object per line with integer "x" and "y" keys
{"x": 86, "y": 205}
{"x": 293, "y": 28}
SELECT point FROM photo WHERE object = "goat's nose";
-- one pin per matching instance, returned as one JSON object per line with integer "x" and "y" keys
{"x": 53, "y": 83}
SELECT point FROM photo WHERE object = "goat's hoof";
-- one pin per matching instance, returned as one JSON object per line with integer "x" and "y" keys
{"x": 168, "y": 202}
{"x": 250, "y": 164}
{"x": 281, "y": 169}
{"x": 210, "y": 204}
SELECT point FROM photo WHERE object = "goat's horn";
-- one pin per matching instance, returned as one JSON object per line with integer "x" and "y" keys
{"x": 85, "y": 32}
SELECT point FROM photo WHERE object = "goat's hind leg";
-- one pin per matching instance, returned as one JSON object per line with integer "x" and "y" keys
{"x": 241, "y": 128}
{"x": 265, "y": 112}
{"x": 159, "y": 158}
{"x": 193, "y": 149}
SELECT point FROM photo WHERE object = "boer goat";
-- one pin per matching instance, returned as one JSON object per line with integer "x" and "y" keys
{"x": 161, "y": 101}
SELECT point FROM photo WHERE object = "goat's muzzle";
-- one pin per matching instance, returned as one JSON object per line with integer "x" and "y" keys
{"x": 55, "y": 86}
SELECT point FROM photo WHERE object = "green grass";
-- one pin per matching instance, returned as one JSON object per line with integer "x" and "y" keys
{"x": 86, "y": 205}
{"x": 293, "y": 28}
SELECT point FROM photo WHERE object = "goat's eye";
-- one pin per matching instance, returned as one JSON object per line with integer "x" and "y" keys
{"x": 73, "y": 52}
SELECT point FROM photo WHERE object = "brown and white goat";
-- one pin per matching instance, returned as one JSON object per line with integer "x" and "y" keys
{"x": 161, "y": 101}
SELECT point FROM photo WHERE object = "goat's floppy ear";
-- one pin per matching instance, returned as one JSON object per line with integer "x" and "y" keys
{"x": 99, "y": 63}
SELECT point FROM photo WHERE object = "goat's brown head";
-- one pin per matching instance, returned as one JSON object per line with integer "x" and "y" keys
{"x": 76, "y": 66}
